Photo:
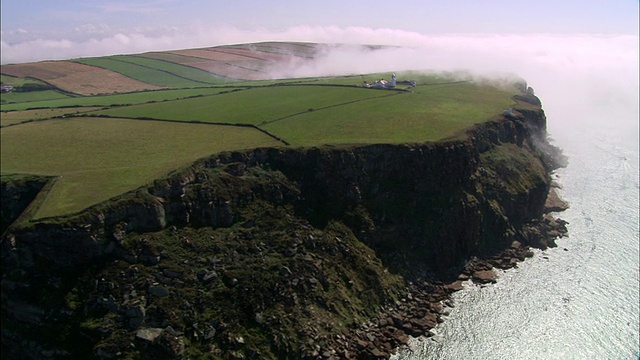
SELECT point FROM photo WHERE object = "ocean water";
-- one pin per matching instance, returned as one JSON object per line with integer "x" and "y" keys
{"x": 581, "y": 299}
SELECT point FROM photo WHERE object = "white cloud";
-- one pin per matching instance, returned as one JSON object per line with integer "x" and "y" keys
{"x": 92, "y": 29}
{"x": 129, "y": 7}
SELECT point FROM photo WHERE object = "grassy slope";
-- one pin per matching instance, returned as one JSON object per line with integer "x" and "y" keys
{"x": 303, "y": 115}
{"x": 100, "y": 158}
{"x": 17, "y": 81}
{"x": 25, "y": 97}
{"x": 433, "y": 113}
{"x": 196, "y": 75}
{"x": 18, "y": 117}
{"x": 253, "y": 106}
{"x": 119, "y": 99}
{"x": 145, "y": 74}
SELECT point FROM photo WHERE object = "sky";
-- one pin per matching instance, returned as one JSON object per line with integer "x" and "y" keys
{"x": 34, "y": 30}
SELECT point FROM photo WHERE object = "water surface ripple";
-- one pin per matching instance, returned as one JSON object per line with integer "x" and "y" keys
{"x": 577, "y": 301}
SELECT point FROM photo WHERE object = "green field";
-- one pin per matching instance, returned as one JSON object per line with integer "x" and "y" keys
{"x": 251, "y": 106}
{"x": 314, "y": 115}
{"x": 42, "y": 91}
{"x": 96, "y": 159}
{"x": 119, "y": 99}
{"x": 16, "y": 81}
{"x": 194, "y": 74}
{"x": 433, "y": 114}
{"x": 31, "y": 97}
{"x": 121, "y": 146}
{"x": 144, "y": 72}
{"x": 18, "y": 117}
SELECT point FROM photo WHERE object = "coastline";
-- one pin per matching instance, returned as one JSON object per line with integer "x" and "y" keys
{"x": 332, "y": 252}
{"x": 426, "y": 301}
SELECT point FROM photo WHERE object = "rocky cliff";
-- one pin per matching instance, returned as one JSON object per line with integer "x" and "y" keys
{"x": 18, "y": 192}
{"x": 278, "y": 252}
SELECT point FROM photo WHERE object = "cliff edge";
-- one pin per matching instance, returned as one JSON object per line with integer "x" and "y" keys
{"x": 336, "y": 251}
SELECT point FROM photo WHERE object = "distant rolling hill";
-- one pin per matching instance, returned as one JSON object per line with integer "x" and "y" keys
{"x": 165, "y": 69}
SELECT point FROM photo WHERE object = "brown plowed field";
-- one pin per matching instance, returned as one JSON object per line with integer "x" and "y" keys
{"x": 297, "y": 49}
{"x": 242, "y": 61}
{"x": 251, "y": 54}
{"x": 212, "y": 55}
{"x": 230, "y": 71}
{"x": 169, "y": 57}
{"x": 226, "y": 65}
{"x": 237, "y": 63}
{"x": 77, "y": 78}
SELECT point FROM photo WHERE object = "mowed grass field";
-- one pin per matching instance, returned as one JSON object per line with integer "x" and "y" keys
{"x": 96, "y": 159}
{"x": 306, "y": 115}
{"x": 110, "y": 144}
{"x": 149, "y": 71}
{"x": 18, "y": 117}
{"x": 430, "y": 114}
{"x": 249, "y": 106}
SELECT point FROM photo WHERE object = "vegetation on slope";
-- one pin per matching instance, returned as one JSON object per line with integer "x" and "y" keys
{"x": 96, "y": 159}
{"x": 145, "y": 73}
{"x": 119, "y": 155}
{"x": 112, "y": 100}
{"x": 255, "y": 263}
{"x": 19, "y": 117}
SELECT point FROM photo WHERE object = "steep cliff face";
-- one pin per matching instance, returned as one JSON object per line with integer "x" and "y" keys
{"x": 17, "y": 192}
{"x": 419, "y": 207}
{"x": 436, "y": 203}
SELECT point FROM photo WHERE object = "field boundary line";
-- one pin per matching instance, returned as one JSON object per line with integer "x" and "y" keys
{"x": 228, "y": 64}
{"x": 326, "y": 107}
{"x": 278, "y": 51}
{"x": 186, "y": 122}
{"x": 30, "y": 211}
{"x": 160, "y": 87}
{"x": 232, "y": 53}
{"x": 141, "y": 56}
{"x": 160, "y": 70}
{"x": 185, "y": 65}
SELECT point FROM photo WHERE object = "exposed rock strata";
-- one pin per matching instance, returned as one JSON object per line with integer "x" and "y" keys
{"x": 429, "y": 212}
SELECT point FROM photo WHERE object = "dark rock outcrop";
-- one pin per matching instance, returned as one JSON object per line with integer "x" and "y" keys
{"x": 17, "y": 192}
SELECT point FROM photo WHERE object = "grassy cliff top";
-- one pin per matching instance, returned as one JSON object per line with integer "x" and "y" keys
{"x": 100, "y": 146}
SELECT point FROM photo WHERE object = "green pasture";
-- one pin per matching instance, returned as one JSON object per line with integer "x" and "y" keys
{"x": 421, "y": 78}
{"x": 27, "y": 96}
{"x": 139, "y": 72}
{"x": 299, "y": 49}
{"x": 18, "y": 81}
{"x": 31, "y": 97}
{"x": 17, "y": 117}
{"x": 429, "y": 114}
{"x": 118, "y": 99}
{"x": 313, "y": 115}
{"x": 97, "y": 159}
{"x": 196, "y": 75}
{"x": 172, "y": 57}
{"x": 252, "y": 106}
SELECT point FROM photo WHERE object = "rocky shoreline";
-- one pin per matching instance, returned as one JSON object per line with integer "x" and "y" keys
{"x": 426, "y": 301}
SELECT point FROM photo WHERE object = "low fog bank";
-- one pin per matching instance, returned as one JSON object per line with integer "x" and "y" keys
{"x": 586, "y": 82}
